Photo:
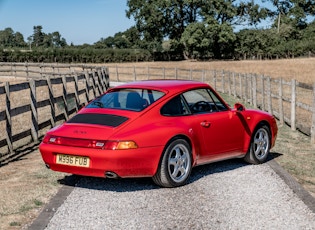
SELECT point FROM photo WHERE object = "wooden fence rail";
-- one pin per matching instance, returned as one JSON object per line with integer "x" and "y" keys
{"x": 293, "y": 103}
{"x": 29, "y": 109}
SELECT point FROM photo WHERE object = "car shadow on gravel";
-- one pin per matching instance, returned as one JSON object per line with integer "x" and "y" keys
{"x": 139, "y": 184}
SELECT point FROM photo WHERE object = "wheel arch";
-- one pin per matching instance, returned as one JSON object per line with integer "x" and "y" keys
{"x": 256, "y": 127}
{"x": 177, "y": 137}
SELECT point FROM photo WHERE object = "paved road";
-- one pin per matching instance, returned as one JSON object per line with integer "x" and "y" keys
{"x": 224, "y": 195}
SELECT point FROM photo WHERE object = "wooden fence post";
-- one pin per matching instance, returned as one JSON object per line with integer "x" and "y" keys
{"x": 8, "y": 118}
{"x": 100, "y": 80}
{"x": 26, "y": 69}
{"x": 234, "y": 86}
{"x": 11, "y": 69}
{"x": 241, "y": 85}
{"x": 105, "y": 77}
{"x": 91, "y": 77}
{"x": 250, "y": 88}
{"x": 223, "y": 83}
{"x": 96, "y": 83}
{"x": 229, "y": 84}
{"x": 245, "y": 88}
{"x": 87, "y": 86}
{"x": 33, "y": 101}
{"x": 76, "y": 93}
{"x": 52, "y": 102}
{"x": 254, "y": 79}
{"x": 313, "y": 118}
{"x": 293, "y": 104}
{"x": 117, "y": 78}
{"x": 262, "y": 92}
{"x": 281, "y": 115}
{"x": 64, "y": 97}
{"x": 41, "y": 71}
{"x": 215, "y": 79}
{"x": 134, "y": 73}
{"x": 269, "y": 101}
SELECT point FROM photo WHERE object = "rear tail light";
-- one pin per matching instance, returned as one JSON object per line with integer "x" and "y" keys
{"x": 120, "y": 145}
{"x": 85, "y": 143}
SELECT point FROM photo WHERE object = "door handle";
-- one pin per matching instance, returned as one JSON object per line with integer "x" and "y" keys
{"x": 205, "y": 124}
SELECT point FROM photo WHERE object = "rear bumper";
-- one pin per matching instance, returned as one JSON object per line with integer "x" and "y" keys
{"x": 142, "y": 162}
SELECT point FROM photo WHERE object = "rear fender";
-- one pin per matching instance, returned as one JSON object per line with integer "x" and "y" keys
{"x": 192, "y": 143}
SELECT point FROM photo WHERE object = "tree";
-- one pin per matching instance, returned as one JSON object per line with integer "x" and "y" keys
{"x": 157, "y": 20}
{"x": 256, "y": 43}
{"x": 133, "y": 36}
{"x": 9, "y": 38}
{"x": 127, "y": 39}
{"x": 57, "y": 40}
{"x": 293, "y": 12}
{"x": 38, "y": 36}
{"x": 19, "y": 40}
{"x": 6, "y": 37}
{"x": 196, "y": 41}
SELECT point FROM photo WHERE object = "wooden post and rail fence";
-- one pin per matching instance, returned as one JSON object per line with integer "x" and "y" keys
{"x": 45, "y": 95}
{"x": 291, "y": 102}
{"x": 51, "y": 93}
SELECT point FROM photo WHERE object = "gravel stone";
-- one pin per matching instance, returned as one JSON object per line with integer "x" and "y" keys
{"x": 224, "y": 195}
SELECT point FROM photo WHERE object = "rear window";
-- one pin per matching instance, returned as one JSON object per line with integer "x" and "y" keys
{"x": 127, "y": 99}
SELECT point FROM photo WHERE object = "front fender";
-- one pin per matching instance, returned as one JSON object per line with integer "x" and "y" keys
{"x": 255, "y": 118}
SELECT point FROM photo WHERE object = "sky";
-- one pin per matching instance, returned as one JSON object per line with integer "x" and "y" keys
{"x": 78, "y": 21}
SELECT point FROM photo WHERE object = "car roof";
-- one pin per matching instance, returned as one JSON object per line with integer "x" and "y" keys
{"x": 165, "y": 85}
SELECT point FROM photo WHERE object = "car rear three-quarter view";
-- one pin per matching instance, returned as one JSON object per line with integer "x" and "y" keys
{"x": 159, "y": 129}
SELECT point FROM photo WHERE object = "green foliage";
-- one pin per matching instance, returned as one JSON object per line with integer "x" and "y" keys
{"x": 208, "y": 40}
{"x": 9, "y": 38}
{"x": 204, "y": 28}
{"x": 40, "y": 39}
{"x": 15, "y": 224}
{"x": 76, "y": 55}
{"x": 174, "y": 30}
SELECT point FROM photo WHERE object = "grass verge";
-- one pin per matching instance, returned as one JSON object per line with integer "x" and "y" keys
{"x": 26, "y": 186}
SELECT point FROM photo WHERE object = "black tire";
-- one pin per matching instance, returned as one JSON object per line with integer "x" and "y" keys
{"x": 259, "y": 147}
{"x": 175, "y": 166}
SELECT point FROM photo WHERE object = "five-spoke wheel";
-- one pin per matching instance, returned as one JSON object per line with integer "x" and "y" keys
{"x": 260, "y": 146}
{"x": 175, "y": 165}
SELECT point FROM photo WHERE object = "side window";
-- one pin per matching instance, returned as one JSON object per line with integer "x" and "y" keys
{"x": 219, "y": 105}
{"x": 203, "y": 101}
{"x": 175, "y": 107}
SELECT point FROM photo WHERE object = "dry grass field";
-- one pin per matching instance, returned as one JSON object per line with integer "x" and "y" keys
{"x": 27, "y": 185}
{"x": 302, "y": 70}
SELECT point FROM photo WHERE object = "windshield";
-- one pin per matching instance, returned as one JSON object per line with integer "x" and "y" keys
{"x": 127, "y": 99}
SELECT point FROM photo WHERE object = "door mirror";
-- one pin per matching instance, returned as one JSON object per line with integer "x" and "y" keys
{"x": 239, "y": 107}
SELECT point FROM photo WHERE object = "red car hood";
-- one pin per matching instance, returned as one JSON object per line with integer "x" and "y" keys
{"x": 95, "y": 124}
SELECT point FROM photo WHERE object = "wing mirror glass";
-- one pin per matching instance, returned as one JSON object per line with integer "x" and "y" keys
{"x": 239, "y": 107}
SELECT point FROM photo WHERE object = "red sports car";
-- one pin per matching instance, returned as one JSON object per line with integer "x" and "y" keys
{"x": 159, "y": 129}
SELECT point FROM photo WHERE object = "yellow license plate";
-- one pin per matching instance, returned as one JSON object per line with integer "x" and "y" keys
{"x": 73, "y": 160}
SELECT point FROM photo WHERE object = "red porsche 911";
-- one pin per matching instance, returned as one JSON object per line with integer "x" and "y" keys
{"x": 159, "y": 129}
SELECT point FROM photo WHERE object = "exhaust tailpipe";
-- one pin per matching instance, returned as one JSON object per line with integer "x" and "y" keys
{"x": 111, "y": 175}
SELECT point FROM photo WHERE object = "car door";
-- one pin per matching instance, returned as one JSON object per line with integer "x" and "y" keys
{"x": 221, "y": 131}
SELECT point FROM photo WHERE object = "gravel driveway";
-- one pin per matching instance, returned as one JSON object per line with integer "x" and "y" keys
{"x": 224, "y": 195}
